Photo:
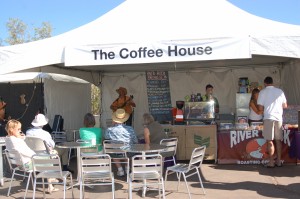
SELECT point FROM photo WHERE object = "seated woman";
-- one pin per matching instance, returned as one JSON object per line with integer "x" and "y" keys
{"x": 89, "y": 132}
{"x": 15, "y": 140}
{"x": 153, "y": 131}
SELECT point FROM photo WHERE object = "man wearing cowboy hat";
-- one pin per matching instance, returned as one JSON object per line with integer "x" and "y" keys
{"x": 125, "y": 102}
{"x": 120, "y": 132}
{"x": 37, "y": 131}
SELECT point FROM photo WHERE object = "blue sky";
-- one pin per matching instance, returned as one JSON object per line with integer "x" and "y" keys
{"x": 65, "y": 15}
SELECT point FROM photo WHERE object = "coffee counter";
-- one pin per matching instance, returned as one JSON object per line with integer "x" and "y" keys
{"x": 192, "y": 136}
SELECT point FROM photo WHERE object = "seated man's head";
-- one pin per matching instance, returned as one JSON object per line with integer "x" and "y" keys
{"x": 120, "y": 116}
{"x": 39, "y": 121}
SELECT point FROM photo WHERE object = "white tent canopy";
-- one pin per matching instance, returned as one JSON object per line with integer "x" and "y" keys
{"x": 238, "y": 41}
{"x": 147, "y": 22}
{"x": 18, "y": 77}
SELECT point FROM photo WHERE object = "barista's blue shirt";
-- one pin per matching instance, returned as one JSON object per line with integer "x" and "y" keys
{"x": 121, "y": 132}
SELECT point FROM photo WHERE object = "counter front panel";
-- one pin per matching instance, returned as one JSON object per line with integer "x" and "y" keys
{"x": 190, "y": 137}
{"x": 249, "y": 147}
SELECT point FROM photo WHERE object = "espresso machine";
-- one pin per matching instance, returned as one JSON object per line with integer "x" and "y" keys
{"x": 178, "y": 113}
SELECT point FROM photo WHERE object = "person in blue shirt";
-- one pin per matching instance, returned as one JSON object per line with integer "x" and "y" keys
{"x": 120, "y": 132}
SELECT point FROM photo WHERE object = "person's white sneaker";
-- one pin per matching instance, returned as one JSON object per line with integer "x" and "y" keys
{"x": 120, "y": 173}
{"x": 52, "y": 189}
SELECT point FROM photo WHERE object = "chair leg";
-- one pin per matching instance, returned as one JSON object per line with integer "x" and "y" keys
{"x": 187, "y": 187}
{"x": 201, "y": 184}
{"x": 159, "y": 187}
{"x": 11, "y": 180}
{"x": 28, "y": 180}
{"x": 43, "y": 180}
{"x": 65, "y": 182}
{"x": 130, "y": 189}
{"x": 127, "y": 171}
{"x": 81, "y": 187}
{"x": 113, "y": 187}
{"x": 178, "y": 176}
{"x": 34, "y": 187}
{"x": 72, "y": 185}
{"x": 166, "y": 175}
{"x": 163, "y": 187}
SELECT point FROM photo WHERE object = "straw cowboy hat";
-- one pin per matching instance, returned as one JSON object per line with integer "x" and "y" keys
{"x": 39, "y": 120}
{"x": 120, "y": 116}
{"x": 122, "y": 89}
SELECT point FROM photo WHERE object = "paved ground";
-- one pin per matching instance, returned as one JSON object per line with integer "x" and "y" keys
{"x": 220, "y": 181}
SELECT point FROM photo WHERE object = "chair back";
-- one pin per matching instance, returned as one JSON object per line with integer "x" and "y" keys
{"x": 37, "y": 145}
{"x": 148, "y": 166}
{"x": 14, "y": 160}
{"x": 100, "y": 163}
{"x": 59, "y": 136}
{"x": 112, "y": 147}
{"x": 171, "y": 147}
{"x": 197, "y": 157}
{"x": 49, "y": 163}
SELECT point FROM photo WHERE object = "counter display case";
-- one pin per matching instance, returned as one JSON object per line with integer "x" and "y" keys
{"x": 199, "y": 111}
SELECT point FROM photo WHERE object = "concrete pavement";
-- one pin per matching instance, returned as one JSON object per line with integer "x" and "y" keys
{"x": 220, "y": 181}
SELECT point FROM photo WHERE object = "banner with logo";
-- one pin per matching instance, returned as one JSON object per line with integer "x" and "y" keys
{"x": 249, "y": 147}
{"x": 154, "y": 52}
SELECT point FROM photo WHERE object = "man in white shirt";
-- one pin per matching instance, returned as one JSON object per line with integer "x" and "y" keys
{"x": 37, "y": 131}
{"x": 271, "y": 101}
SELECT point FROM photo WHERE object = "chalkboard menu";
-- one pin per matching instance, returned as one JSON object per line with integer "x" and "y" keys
{"x": 159, "y": 98}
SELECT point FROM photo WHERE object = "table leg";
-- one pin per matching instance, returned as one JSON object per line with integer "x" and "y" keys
{"x": 1, "y": 168}
{"x": 78, "y": 169}
{"x": 144, "y": 182}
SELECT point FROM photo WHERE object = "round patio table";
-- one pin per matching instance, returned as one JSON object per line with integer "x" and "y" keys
{"x": 78, "y": 146}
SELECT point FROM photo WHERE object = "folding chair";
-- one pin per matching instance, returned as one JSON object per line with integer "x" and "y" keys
{"x": 96, "y": 170}
{"x": 49, "y": 166}
{"x": 186, "y": 169}
{"x": 113, "y": 149}
{"x": 61, "y": 136}
{"x": 146, "y": 170}
{"x": 171, "y": 147}
{"x": 18, "y": 168}
{"x": 38, "y": 145}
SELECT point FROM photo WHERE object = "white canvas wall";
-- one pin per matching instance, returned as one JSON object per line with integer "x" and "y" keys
{"x": 225, "y": 82}
{"x": 70, "y": 99}
{"x": 291, "y": 82}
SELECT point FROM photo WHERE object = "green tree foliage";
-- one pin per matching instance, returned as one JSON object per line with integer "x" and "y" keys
{"x": 95, "y": 99}
{"x": 42, "y": 32}
{"x": 19, "y": 32}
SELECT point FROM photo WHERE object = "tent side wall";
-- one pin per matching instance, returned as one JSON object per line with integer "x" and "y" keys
{"x": 291, "y": 82}
{"x": 70, "y": 100}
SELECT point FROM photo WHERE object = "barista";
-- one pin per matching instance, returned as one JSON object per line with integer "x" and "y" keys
{"x": 209, "y": 96}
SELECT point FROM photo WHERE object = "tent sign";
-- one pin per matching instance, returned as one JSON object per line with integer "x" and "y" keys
{"x": 172, "y": 51}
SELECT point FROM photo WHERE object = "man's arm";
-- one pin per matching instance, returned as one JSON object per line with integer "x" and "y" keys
{"x": 284, "y": 105}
